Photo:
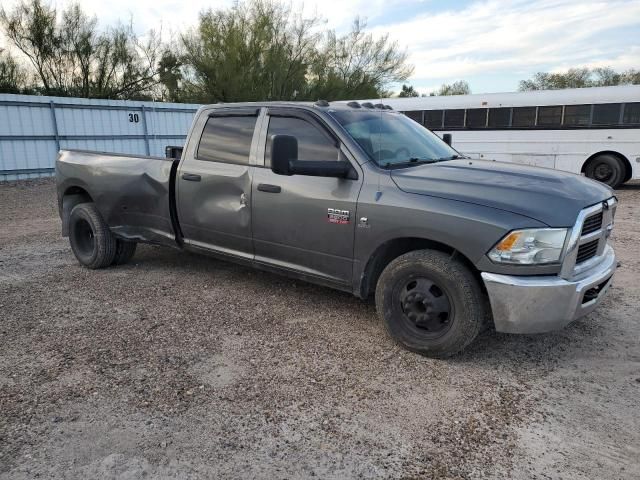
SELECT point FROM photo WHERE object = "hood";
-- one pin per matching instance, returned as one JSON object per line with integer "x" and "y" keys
{"x": 549, "y": 196}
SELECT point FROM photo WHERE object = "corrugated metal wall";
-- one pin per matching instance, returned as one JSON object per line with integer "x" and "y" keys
{"x": 34, "y": 128}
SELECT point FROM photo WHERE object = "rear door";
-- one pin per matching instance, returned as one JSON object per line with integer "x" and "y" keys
{"x": 214, "y": 183}
{"x": 304, "y": 223}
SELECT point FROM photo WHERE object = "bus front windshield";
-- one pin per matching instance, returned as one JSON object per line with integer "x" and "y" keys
{"x": 392, "y": 140}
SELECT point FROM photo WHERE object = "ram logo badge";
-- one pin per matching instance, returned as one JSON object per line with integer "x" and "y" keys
{"x": 335, "y": 215}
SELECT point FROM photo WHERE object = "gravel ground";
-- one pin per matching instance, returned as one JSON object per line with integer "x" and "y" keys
{"x": 178, "y": 366}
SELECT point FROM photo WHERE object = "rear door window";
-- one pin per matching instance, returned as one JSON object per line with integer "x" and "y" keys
{"x": 227, "y": 139}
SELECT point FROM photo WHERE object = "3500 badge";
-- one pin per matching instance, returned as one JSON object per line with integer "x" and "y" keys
{"x": 335, "y": 215}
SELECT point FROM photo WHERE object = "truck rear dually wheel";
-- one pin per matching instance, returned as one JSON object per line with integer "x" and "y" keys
{"x": 92, "y": 242}
{"x": 124, "y": 252}
{"x": 431, "y": 303}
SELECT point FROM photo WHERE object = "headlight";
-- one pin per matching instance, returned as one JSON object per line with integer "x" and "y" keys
{"x": 530, "y": 247}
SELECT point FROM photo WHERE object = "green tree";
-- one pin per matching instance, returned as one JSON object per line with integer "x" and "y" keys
{"x": 252, "y": 51}
{"x": 262, "y": 50}
{"x": 580, "y": 78}
{"x": 13, "y": 78}
{"x": 70, "y": 57}
{"x": 573, "y": 78}
{"x": 630, "y": 77}
{"x": 408, "y": 91}
{"x": 461, "y": 87}
{"x": 356, "y": 65}
{"x": 170, "y": 76}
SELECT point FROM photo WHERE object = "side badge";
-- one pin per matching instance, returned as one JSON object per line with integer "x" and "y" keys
{"x": 335, "y": 215}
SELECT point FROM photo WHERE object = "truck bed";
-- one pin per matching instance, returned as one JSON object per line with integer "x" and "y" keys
{"x": 134, "y": 194}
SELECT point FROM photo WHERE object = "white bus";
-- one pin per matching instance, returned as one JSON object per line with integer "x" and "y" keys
{"x": 594, "y": 131}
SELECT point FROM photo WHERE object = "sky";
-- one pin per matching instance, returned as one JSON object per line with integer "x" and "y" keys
{"x": 490, "y": 44}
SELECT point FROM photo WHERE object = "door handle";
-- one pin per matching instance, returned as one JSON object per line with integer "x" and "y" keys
{"x": 265, "y": 187}
{"x": 191, "y": 177}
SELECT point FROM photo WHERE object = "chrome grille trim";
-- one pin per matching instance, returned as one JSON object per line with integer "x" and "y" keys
{"x": 570, "y": 268}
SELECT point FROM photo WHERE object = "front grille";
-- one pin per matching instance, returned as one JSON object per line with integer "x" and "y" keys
{"x": 592, "y": 224}
{"x": 588, "y": 239}
{"x": 587, "y": 251}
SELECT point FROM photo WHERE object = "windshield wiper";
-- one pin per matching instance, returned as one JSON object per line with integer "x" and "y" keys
{"x": 421, "y": 161}
{"x": 411, "y": 162}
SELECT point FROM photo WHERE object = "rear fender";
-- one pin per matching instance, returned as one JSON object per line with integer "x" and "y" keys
{"x": 68, "y": 202}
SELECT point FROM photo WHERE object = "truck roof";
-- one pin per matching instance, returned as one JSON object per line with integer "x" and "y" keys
{"x": 320, "y": 104}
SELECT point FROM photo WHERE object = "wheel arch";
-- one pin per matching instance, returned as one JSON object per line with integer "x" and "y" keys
{"x": 71, "y": 197}
{"x": 625, "y": 161}
{"x": 392, "y": 249}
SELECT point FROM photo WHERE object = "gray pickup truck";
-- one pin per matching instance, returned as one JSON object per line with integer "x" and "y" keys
{"x": 359, "y": 198}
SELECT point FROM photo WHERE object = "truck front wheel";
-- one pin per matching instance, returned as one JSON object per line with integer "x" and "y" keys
{"x": 92, "y": 242}
{"x": 431, "y": 303}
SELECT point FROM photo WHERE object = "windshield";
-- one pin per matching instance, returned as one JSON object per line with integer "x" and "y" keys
{"x": 392, "y": 139}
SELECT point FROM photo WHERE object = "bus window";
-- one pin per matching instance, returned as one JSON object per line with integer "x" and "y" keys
{"x": 524, "y": 117}
{"x": 631, "y": 113}
{"x": 415, "y": 115}
{"x": 577, "y": 114}
{"x": 477, "y": 117}
{"x": 549, "y": 116}
{"x": 499, "y": 117}
{"x": 454, "y": 118}
{"x": 606, "y": 114}
{"x": 433, "y": 118}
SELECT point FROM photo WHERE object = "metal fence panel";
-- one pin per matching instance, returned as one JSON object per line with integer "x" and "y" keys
{"x": 34, "y": 128}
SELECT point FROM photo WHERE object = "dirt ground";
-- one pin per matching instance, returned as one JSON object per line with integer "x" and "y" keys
{"x": 179, "y": 366}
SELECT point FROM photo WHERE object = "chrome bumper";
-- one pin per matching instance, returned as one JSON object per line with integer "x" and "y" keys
{"x": 534, "y": 304}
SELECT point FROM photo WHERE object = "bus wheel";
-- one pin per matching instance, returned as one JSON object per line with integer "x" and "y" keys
{"x": 606, "y": 169}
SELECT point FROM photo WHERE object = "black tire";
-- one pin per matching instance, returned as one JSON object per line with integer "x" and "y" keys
{"x": 92, "y": 242}
{"x": 124, "y": 252}
{"x": 428, "y": 330}
{"x": 607, "y": 169}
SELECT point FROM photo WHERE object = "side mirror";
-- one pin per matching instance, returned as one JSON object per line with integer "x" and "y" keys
{"x": 284, "y": 149}
{"x": 284, "y": 161}
{"x": 447, "y": 138}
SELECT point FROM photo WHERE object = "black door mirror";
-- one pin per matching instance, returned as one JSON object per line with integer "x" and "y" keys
{"x": 447, "y": 138}
{"x": 284, "y": 149}
{"x": 284, "y": 161}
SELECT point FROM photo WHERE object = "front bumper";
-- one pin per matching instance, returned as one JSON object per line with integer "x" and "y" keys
{"x": 535, "y": 304}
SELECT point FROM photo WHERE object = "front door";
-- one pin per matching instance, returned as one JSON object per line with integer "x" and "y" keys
{"x": 304, "y": 223}
{"x": 214, "y": 184}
